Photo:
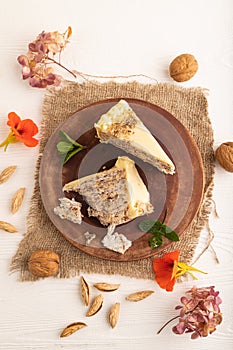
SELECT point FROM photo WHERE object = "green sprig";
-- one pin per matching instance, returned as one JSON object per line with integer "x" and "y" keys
{"x": 67, "y": 147}
{"x": 158, "y": 230}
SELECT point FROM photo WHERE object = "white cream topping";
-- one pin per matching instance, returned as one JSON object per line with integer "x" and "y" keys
{"x": 115, "y": 115}
{"x": 136, "y": 188}
{"x": 141, "y": 138}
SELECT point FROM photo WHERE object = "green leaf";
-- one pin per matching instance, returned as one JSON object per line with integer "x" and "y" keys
{"x": 71, "y": 154}
{"x": 158, "y": 226}
{"x": 155, "y": 241}
{"x": 158, "y": 230}
{"x": 67, "y": 147}
{"x": 64, "y": 147}
{"x": 146, "y": 225}
{"x": 65, "y": 137}
{"x": 171, "y": 235}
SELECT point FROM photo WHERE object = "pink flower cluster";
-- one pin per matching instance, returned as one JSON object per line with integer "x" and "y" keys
{"x": 36, "y": 65}
{"x": 200, "y": 313}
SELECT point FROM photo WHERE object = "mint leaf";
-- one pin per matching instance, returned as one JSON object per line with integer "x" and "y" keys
{"x": 155, "y": 241}
{"x": 67, "y": 147}
{"x": 64, "y": 147}
{"x": 171, "y": 235}
{"x": 158, "y": 230}
{"x": 146, "y": 225}
{"x": 65, "y": 137}
{"x": 71, "y": 154}
{"x": 158, "y": 226}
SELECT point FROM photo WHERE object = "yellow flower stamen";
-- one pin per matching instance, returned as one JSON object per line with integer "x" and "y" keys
{"x": 10, "y": 139}
{"x": 174, "y": 270}
{"x": 182, "y": 268}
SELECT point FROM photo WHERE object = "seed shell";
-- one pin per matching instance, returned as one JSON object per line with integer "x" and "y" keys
{"x": 85, "y": 291}
{"x": 106, "y": 287}
{"x": 17, "y": 200}
{"x": 6, "y": 226}
{"x": 114, "y": 314}
{"x": 95, "y": 306}
{"x": 72, "y": 328}
{"x": 139, "y": 295}
{"x": 6, "y": 173}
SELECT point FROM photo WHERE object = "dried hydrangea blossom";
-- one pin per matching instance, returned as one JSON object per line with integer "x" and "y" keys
{"x": 36, "y": 65}
{"x": 199, "y": 313}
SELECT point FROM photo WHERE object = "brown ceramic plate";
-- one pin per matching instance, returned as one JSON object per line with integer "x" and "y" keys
{"x": 179, "y": 194}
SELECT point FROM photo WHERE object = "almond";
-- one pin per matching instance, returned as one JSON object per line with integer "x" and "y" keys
{"x": 72, "y": 328}
{"x": 114, "y": 314}
{"x": 95, "y": 306}
{"x": 139, "y": 295}
{"x": 85, "y": 291}
{"x": 17, "y": 200}
{"x": 6, "y": 173}
{"x": 6, "y": 226}
{"x": 106, "y": 287}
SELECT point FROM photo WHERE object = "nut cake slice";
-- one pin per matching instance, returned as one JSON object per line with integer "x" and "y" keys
{"x": 121, "y": 127}
{"x": 114, "y": 196}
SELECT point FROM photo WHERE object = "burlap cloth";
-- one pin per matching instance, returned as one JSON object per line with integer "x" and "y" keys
{"x": 189, "y": 105}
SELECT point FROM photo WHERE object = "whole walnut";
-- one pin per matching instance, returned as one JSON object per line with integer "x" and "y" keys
{"x": 224, "y": 155}
{"x": 183, "y": 67}
{"x": 43, "y": 263}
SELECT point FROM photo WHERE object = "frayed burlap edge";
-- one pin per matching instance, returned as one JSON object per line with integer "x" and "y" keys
{"x": 189, "y": 105}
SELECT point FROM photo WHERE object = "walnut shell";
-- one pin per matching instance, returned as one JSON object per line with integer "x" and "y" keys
{"x": 183, "y": 67}
{"x": 224, "y": 155}
{"x": 43, "y": 263}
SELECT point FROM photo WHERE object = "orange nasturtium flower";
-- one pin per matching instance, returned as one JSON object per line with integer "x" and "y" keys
{"x": 168, "y": 268}
{"x": 21, "y": 130}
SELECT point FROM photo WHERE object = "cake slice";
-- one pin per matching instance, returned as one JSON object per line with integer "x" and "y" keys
{"x": 121, "y": 127}
{"x": 114, "y": 196}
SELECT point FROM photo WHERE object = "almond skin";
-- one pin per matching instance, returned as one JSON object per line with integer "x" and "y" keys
{"x": 6, "y": 226}
{"x": 85, "y": 291}
{"x": 72, "y": 328}
{"x": 6, "y": 173}
{"x": 95, "y": 306}
{"x": 114, "y": 314}
{"x": 106, "y": 287}
{"x": 17, "y": 200}
{"x": 138, "y": 296}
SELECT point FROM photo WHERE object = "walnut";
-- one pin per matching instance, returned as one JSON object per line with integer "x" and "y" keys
{"x": 224, "y": 155}
{"x": 183, "y": 67}
{"x": 43, "y": 263}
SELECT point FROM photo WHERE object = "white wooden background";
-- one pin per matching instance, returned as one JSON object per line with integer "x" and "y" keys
{"x": 114, "y": 38}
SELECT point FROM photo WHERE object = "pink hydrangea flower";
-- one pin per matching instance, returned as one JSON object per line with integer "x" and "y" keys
{"x": 199, "y": 312}
{"x": 36, "y": 65}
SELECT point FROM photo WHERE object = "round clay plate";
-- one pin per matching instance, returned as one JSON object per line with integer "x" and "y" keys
{"x": 179, "y": 195}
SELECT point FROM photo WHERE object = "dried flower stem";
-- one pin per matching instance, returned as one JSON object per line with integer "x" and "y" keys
{"x": 61, "y": 65}
{"x": 172, "y": 319}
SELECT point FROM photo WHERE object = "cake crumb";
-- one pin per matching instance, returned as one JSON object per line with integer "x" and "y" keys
{"x": 69, "y": 209}
{"x": 89, "y": 237}
{"x": 116, "y": 241}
